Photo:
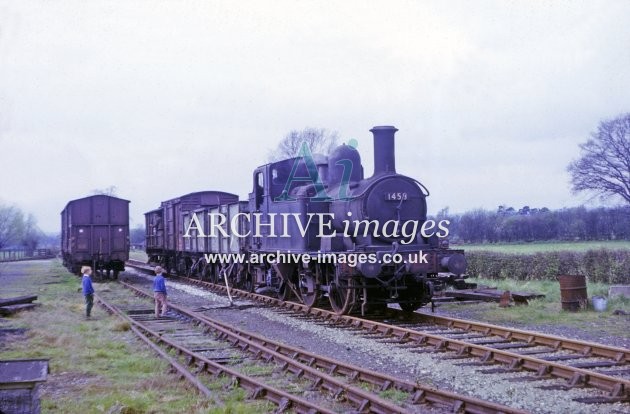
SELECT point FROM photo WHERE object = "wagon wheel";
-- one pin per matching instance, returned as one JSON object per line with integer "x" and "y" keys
{"x": 309, "y": 289}
{"x": 200, "y": 270}
{"x": 196, "y": 270}
{"x": 165, "y": 264}
{"x": 215, "y": 275}
{"x": 206, "y": 272}
{"x": 248, "y": 283}
{"x": 287, "y": 286}
{"x": 98, "y": 270}
{"x": 284, "y": 291}
{"x": 342, "y": 295}
{"x": 227, "y": 272}
{"x": 247, "y": 279}
{"x": 209, "y": 273}
{"x": 182, "y": 267}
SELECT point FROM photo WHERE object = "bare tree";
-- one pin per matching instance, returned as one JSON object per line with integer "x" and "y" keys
{"x": 137, "y": 234}
{"x": 604, "y": 165}
{"x": 11, "y": 225}
{"x": 319, "y": 140}
{"x": 109, "y": 191}
{"x": 31, "y": 235}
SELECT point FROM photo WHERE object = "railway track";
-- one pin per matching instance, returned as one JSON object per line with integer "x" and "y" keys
{"x": 578, "y": 363}
{"x": 333, "y": 377}
{"x": 207, "y": 355}
{"x": 614, "y": 361}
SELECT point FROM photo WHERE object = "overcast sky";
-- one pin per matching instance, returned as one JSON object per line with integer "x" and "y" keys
{"x": 162, "y": 98}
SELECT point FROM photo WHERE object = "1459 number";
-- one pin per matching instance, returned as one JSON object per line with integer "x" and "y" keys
{"x": 395, "y": 196}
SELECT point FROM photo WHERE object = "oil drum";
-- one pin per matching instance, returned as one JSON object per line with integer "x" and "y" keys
{"x": 572, "y": 292}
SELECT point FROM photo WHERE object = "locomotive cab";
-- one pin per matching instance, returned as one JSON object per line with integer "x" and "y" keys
{"x": 284, "y": 194}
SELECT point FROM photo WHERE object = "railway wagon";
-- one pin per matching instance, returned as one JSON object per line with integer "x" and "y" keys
{"x": 95, "y": 232}
{"x": 165, "y": 226}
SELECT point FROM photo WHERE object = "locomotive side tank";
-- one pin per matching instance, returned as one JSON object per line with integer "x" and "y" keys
{"x": 95, "y": 232}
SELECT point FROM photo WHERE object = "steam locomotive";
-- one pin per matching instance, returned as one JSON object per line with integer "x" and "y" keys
{"x": 315, "y": 228}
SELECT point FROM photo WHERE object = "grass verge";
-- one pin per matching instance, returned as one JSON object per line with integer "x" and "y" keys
{"x": 548, "y": 310}
{"x": 139, "y": 255}
{"x": 542, "y": 247}
{"x": 97, "y": 365}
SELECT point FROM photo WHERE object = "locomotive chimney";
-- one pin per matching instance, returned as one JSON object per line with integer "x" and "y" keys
{"x": 384, "y": 157}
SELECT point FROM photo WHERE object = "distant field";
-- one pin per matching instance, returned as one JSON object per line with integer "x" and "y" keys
{"x": 524, "y": 248}
{"x": 138, "y": 255}
{"x": 527, "y": 248}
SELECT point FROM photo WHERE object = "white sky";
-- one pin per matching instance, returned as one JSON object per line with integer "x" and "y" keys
{"x": 162, "y": 98}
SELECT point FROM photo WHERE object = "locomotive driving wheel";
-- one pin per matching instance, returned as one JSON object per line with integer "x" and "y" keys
{"x": 289, "y": 280}
{"x": 309, "y": 289}
{"x": 342, "y": 294}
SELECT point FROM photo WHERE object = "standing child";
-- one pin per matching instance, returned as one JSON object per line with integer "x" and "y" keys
{"x": 88, "y": 290}
{"x": 159, "y": 293}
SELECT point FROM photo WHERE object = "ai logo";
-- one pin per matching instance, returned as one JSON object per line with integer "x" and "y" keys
{"x": 305, "y": 156}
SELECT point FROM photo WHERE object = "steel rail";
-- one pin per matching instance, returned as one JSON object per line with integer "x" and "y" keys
{"x": 183, "y": 371}
{"x": 360, "y": 398}
{"x": 618, "y": 388}
{"x": 419, "y": 392}
{"x": 619, "y": 355}
{"x": 257, "y": 389}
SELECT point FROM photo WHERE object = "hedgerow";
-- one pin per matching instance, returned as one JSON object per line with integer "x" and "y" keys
{"x": 601, "y": 265}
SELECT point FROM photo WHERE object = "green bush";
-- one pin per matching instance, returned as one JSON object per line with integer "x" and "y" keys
{"x": 601, "y": 265}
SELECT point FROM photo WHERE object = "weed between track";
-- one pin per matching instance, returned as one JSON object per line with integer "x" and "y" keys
{"x": 97, "y": 365}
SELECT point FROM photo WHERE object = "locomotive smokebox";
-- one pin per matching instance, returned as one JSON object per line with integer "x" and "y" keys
{"x": 384, "y": 157}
